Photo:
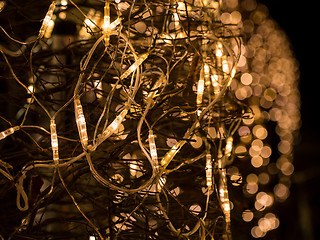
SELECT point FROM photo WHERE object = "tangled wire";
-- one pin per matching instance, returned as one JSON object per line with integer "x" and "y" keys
{"x": 119, "y": 122}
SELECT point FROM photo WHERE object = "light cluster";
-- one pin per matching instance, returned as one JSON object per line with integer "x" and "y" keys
{"x": 154, "y": 108}
{"x": 269, "y": 85}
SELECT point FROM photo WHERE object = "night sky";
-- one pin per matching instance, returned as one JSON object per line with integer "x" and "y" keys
{"x": 300, "y": 215}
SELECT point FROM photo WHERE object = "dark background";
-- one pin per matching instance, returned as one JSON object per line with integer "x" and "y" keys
{"x": 300, "y": 215}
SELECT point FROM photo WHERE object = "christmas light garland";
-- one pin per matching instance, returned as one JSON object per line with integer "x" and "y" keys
{"x": 150, "y": 121}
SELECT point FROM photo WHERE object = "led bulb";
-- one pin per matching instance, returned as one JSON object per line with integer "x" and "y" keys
{"x": 134, "y": 66}
{"x": 219, "y": 50}
{"x": 215, "y": 84}
{"x": 200, "y": 89}
{"x": 114, "y": 125}
{"x": 233, "y": 72}
{"x": 224, "y": 196}
{"x": 228, "y": 148}
{"x": 8, "y": 132}
{"x": 46, "y": 20}
{"x": 153, "y": 148}
{"x": 176, "y": 21}
{"x": 134, "y": 168}
{"x": 54, "y": 141}
{"x": 49, "y": 29}
{"x": 209, "y": 179}
{"x": 106, "y": 23}
{"x": 92, "y": 18}
{"x": 81, "y": 122}
{"x": 115, "y": 23}
{"x": 171, "y": 153}
{"x": 206, "y": 70}
{"x": 225, "y": 65}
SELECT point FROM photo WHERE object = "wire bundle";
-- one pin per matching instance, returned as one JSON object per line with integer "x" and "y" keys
{"x": 137, "y": 99}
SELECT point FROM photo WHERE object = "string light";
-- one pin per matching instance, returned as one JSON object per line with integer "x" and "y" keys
{"x": 47, "y": 20}
{"x": 54, "y": 141}
{"x": 106, "y": 23}
{"x": 153, "y": 148}
{"x": 209, "y": 178}
{"x": 170, "y": 97}
{"x": 134, "y": 66}
{"x": 81, "y": 122}
{"x": 8, "y": 132}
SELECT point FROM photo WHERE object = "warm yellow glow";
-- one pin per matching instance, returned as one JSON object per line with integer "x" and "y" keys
{"x": 209, "y": 179}
{"x": 219, "y": 50}
{"x": 46, "y": 20}
{"x": 228, "y": 149}
{"x": 171, "y": 153}
{"x": 49, "y": 29}
{"x": 134, "y": 66}
{"x": 81, "y": 122}
{"x": 247, "y": 215}
{"x": 106, "y": 23}
{"x": 153, "y": 148}
{"x": 200, "y": 89}
{"x": 54, "y": 141}
{"x": 8, "y": 132}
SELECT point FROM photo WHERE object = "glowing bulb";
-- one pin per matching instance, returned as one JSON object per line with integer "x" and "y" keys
{"x": 8, "y": 132}
{"x": 206, "y": 70}
{"x": 134, "y": 66}
{"x": 90, "y": 21}
{"x": 114, "y": 125}
{"x": 219, "y": 50}
{"x": 81, "y": 122}
{"x": 115, "y": 23}
{"x": 46, "y": 20}
{"x": 176, "y": 21}
{"x": 49, "y": 29}
{"x": 228, "y": 148}
{"x": 225, "y": 66}
{"x": 215, "y": 84}
{"x": 106, "y": 23}
{"x": 200, "y": 89}
{"x": 133, "y": 168}
{"x": 209, "y": 171}
{"x": 153, "y": 148}
{"x": 54, "y": 141}
{"x": 171, "y": 153}
{"x": 224, "y": 196}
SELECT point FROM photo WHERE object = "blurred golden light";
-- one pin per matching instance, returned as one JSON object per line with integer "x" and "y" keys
{"x": 247, "y": 215}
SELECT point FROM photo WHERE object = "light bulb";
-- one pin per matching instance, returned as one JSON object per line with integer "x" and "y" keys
{"x": 171, "y": 153}
{"x": 228, "y": 148}
{"x": 106, "y": 23}
{"x": 225, "y": 66}
{"x": 81, "y": 122}
{"x": 209, "y": 171}
{"x": 215, "y": 84}
{"x": 114, "y": 125}
{"x": 206, "y": 70}
{"x": 134, "y": 66}
{"x": 224, "y": 195}
{"x": 153, "y": 148}
{"x": 200, "y": 89}
{"x": 54, "y": 141}
{"x": 47, "y": 19}
{"x": 8, "y": 132}
{"x": 219, "y": 50}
